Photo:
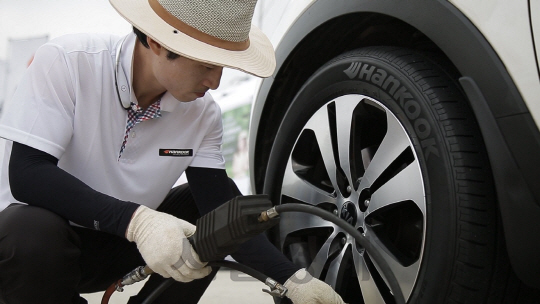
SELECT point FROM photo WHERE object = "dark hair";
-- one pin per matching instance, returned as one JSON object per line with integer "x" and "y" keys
{"x": 142, "y": 38}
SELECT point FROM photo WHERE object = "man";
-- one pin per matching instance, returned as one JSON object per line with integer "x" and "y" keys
{"x": 99, "y": 131}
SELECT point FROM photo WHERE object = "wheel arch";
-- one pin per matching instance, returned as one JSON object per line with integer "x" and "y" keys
{"x": 324, "y": 31}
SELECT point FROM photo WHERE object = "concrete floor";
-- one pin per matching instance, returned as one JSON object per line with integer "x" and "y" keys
{"x": 229, "y": 287}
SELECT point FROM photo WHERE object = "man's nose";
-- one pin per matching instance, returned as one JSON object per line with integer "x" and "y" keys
{"x": 213, "y": 77}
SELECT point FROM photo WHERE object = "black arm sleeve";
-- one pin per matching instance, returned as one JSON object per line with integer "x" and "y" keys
{"x": 35, "y": 179}
{"x": 210, "y": 189}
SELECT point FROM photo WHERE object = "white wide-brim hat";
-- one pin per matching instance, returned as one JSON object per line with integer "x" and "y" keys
{"x": 218, "y": 32}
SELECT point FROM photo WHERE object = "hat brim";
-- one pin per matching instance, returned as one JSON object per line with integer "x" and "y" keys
{"x": 258, "y": 59}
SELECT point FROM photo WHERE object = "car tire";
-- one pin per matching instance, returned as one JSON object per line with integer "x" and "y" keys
{"x": 384, "y": 138}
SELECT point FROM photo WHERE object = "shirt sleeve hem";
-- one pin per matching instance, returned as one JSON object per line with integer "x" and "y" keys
{"x": 31, "y": 141}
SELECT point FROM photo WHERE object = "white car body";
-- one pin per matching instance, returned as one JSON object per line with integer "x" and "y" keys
{"x": 513, "y": 39}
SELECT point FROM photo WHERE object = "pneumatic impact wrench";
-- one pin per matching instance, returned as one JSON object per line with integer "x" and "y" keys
{"x": 218, "y": 234}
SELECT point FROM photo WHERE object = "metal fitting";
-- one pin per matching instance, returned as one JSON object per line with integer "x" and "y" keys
{"x": 276, "y": 289}
{"x": 268, "y": 214}
{"x": 136, "y": 275}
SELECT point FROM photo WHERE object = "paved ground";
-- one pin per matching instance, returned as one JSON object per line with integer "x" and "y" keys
{"x": 229, "y": 287}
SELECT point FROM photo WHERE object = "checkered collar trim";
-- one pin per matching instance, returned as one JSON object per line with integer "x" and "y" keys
{"x": 136, "y": 115}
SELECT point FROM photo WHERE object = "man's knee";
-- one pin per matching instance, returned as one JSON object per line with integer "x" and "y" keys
{"x": 36, "y": 244}
{"x": 234, "y": 187}
{"x": 32, "y": 235}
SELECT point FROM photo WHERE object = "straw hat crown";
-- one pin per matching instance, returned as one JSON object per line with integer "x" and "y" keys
{"x": 231, "y": 24}
{"x": 212, "y": 31}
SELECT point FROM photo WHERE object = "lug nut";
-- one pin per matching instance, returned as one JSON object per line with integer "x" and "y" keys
{"x": 366, "y": 203}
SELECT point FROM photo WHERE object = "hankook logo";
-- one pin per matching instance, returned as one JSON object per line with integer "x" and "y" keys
{"x": 176, "y": 152}
{"x": 406, "y": 101}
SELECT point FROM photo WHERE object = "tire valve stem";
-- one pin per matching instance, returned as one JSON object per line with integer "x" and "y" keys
{"x": 268, "y": 214}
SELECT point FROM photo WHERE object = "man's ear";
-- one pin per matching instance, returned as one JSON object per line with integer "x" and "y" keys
{"x": 155, "y": 47}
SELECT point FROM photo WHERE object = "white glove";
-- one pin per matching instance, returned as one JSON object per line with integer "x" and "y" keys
{"x": 305, "y": 289}
{"x": 162, "y": 241}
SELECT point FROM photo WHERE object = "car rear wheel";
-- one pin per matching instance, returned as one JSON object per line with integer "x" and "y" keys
{"x": 384, "y": 138}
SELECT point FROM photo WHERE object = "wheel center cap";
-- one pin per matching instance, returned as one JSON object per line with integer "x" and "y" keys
{"x": 349, "y": 213}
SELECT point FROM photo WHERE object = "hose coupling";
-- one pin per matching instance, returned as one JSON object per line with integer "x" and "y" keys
{"x": 276, "y": 289}
{"x": 136, "y": 275}
{"x": 268, "y": 214}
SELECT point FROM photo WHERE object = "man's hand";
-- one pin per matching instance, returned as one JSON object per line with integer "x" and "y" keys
{"x": 305, "y": 289}
{"x": 162, "y": 241}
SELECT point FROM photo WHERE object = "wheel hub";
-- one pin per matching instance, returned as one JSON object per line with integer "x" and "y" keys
{"x": 349, "y": 213}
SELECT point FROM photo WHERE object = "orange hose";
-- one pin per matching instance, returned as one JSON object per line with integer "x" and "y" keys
{"x": 108, "y": 293}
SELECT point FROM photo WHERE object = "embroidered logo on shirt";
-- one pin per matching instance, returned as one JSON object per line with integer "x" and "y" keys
{"x": 176, "y": 152}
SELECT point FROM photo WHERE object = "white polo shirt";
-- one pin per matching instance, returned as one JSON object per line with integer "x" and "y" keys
{"x": 67, "y": 105}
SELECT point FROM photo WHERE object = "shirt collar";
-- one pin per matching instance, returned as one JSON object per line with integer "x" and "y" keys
{"x": 127, "y": 45}
{"x": 168, "y": 102}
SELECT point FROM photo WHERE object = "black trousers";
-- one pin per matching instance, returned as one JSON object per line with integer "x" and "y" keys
{"x": 43, "y": 259}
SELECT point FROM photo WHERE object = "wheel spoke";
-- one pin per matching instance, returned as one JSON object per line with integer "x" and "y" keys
{"x": 370, "y": 291}
{"x": 301, "y": 190}
{"x": 324, "y": 253}
{"x": 405, "y": 275}
{"x": 406, "y": 185}
{"x": 344, "y": 112}
{"x": 293, "y": 222}
{"x": 335, "y": 269}
{"x": 319, "y": 123}
{"x": 395, "y": 142}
